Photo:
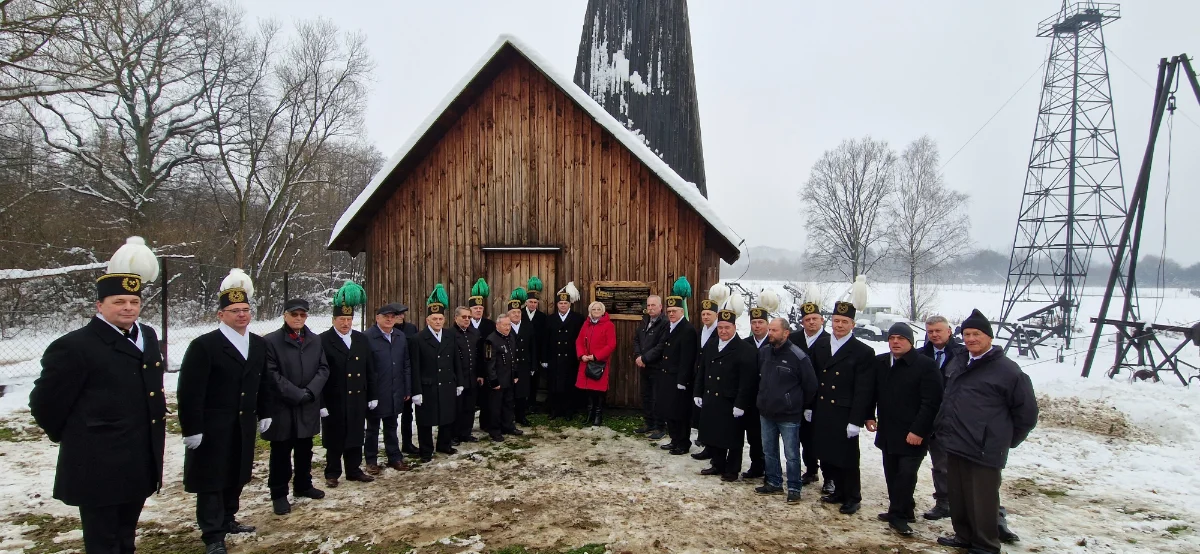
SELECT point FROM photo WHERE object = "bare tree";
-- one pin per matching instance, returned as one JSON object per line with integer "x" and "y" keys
{"x": 148, "y": 124}
{"x": 41, "y": 49}
{"x": 927, "y": 222}
{"x": 845, "y": 193}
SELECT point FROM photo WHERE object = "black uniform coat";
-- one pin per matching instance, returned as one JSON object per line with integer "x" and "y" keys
{"x": 701, "y": 348}
{"x": 726, "y": 380}
{"x": 350, "y": 386}
{"x": 220, "y": 395}
{"x": 526, "y": 343}
{"x": 847, "y": 384}
{"x": 101, "y": 400}
{"x": 293, "y": 368}
{"x": 818, "y": 352}
{"x": 393, "y": 370}
{"x": 906, "y": 398}
{"x": 677, "y": 367}
{"x": 500, "y": 360}
{"x": 989, "y": 407}
{"x": 466, "y": 349}
{"x": 560, "y": 351}
{"x": 538, "y": 320}
{"x": 435, "y": 376}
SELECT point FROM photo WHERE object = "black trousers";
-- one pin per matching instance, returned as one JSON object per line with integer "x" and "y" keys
{"x": 110, "y": 529}
{"x": 679, "y": 425}
{"x": 808, "y": 449}
{"x": 937, "y": 457}
{"x": 501, "y": 410}
{"x": 727, "y": 460}
{"x": 215, "y": 511}
{"x": 649, "y": 380}
{"x": 974, "y": 502}
{"x": 391, "y": 442}
{"x": 520, "y": 408}
{"x": 334, "y": 458}
{"x": 564, "y": 403}
{"x": 464, "y": 419}
{"x": 406, "y": 423}
{"x": 752, "y": 426}
{"x": 281, "y": 469}
{"x": 900, "y": 473}
{"x": 485, "y": 411}
{"x": 425, "y": 442}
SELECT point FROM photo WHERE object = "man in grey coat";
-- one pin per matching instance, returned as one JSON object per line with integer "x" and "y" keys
{"x": 989, "y": 408}
{"x": 296, "y": 374}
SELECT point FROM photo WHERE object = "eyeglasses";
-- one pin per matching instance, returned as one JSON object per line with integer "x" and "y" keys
{"x": 301, "y": 315}
{"x": 239, "y": 311}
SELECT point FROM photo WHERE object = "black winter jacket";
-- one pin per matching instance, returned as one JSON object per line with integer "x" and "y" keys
{"x": 989, "y": 407}
{"x": 787, "y": 383}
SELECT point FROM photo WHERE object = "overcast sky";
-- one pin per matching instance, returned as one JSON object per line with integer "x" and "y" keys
{"x": 781, "y": 82}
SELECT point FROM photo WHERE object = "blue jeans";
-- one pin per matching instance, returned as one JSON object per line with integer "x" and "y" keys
{"x": 771, "y": 432}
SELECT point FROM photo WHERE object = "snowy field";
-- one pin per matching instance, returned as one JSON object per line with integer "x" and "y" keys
{"x": 1112, "y": 467}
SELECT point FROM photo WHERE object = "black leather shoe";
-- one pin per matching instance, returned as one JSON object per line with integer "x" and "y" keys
{"x": 849, "y": 508}
{"x": 313, "y": 493}
{"x": 702, "y": 455}
{"x": 831, "y": 499}
{"x": 449, "y": 451}
{"x": 455, "y": 442}
{"x": 710, "y": 471}
{"x": 667, "y": 446}
{"x": 940, "y": 510}
{"x": 753, "y": 474}
{"x": 468, "y": 438}
{"x": 236, "y": 528}
{"x": 410, "y": 449}
{"x": 514, "y": 432}
{"x": 215, "y": 548}
{"x": 642, "y": 430}
{"x": 885, "y": 516}
{"x": 678, "y": 451}
{"x": 901, "y": 526}
{"x": 828, "y": 487}
{"x": 768, "y": 489}
{"x": 426, "y": 459}
{"x": 1008, "y": 537}
{"x": 809, "y": 478}
{"x": 496, "y": 437}
{"x": 280, "y": 506}
{"x": 657, "y": 435}
{"x": 793, "y": 497}
{"x": 729, "y": 477}
{"x": 953, "y": 542}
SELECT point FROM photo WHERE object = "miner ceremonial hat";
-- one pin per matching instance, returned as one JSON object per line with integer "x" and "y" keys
{"x": 131, "y": 266}
{"x": 236, "y": 288}
{"x": 768, "y": 301}
{"x": 680, "y": 291}
{"x": 731, "y": 308}
{"x": 347, "y": 298}
{"x": 535, "y": 288}
{"x": 517, "y": 299}
{"x": 716, "y": 295}
{"x": 479, "y": 293}
{"x": 436, "y": 303}
{"x": 568, "y": 293}
{"x": 810, "y": 308}
{"x": 845, "y": 309}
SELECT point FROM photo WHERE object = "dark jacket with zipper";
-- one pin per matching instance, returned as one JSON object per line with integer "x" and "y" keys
{"x": 787, "y": 382}
{"x": 649, "y": 340}
{"x": 955, "y": 352}
{"x": 296, "y": 375}
{"x": 989, "y": 407}
{"x": 907, "y": 395}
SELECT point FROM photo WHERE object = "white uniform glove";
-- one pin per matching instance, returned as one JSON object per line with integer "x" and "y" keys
{"x": 324, "y": 412}
{"x": 264, "y": 424}
{"x": 738, "y": 412}
{"x": 371, "y": 405}
{"x": 851, "y": 430}
{"x": 417, "y": 399}
{"x": 545, "y": 364}
{"x": 680, "y": 387}
{"x": 808, "y": 416}
{"x": 699, "y": 401}
{"x": 458, "y": 391}
{"x": 193, "y": 442}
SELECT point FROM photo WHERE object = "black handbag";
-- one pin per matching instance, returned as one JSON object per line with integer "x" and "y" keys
{"x": 594, "y": 369}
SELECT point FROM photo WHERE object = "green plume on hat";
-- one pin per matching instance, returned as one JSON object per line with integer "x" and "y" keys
{"x": 480, "y": 288}
{"x": 519, "y": 294}
{"x": 535, "y": 284}
{"x": 438, "y": 296}
{"x": 351, "y": 294}
{"x": 682, "y": 288}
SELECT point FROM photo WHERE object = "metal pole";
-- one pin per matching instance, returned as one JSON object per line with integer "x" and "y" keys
{"x": 285, "y": 287}
{"x": 165, "y": 326}
{"x": 1069, "y": 255}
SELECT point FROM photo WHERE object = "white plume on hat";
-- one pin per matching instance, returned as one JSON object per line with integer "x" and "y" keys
{"x": 735, "y": 303}
{"x": 812, "y": 293}
{"x": 859, "y": 292}
{"x": 136, "y": 258}
{"x": 718, "y": 293}
{"x": 768, "y": 300}
{"x": 572, "y": 292}
{"x": 237, "y": 279}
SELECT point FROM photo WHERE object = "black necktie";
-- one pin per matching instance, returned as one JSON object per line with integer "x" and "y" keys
{"x": 939, "y": 357}
{"x": 131, "y": 333}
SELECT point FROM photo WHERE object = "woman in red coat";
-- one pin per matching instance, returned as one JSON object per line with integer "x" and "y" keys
{"x": 596, "y": 342}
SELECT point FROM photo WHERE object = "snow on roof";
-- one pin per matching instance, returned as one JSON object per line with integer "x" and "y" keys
{"x": 628, "y": 138}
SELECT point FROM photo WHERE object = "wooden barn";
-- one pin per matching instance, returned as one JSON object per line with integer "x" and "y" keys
{"x": 519, "y": 172}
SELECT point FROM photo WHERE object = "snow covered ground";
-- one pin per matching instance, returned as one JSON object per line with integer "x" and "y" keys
{"x": 1112, "y": 467}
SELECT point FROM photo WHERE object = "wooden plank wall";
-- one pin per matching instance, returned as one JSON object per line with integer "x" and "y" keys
{"x": 525, "y": 166}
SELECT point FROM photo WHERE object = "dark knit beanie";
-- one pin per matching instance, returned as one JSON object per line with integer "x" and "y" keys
{"x": 977, "y": 321}
{"x": 902, "y": 329}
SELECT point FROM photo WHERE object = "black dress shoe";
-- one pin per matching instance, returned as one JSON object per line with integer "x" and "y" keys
{"x": 236, "y": 528}
{"x": 953, "y": 542}
{"x": 849, "y": 508}
{"x": 828, "y": 487}
{"x": 1008, "y": 537}
{"x": 514, "y": 432}
{"x": 753, "y": 474}
{"x": 768, "y": 489}
{"x": 667, "y": 446}
{"x": 427, "y": 458}
{"x": 313, "y": 493}
{"x": 410, "y": 449}
{"x": 525, "y": 422}
{"x": 455, "y": 442}
{"x": 642, "y": 430}
{"x": 887, "y": 516}
{"x": 831, "y": 499}
{"x": 809, "y": 478}
{"x": 678, "y": 451}
{"x": 449, "y": 451}
{"x": 793, "y": 497}
{"x": 496, "y": 437}
{"x": 657, "y": 435}
{"x": 702, "y": 455}
{"x": 901, "y": 526}
{"x": 710, "y": 471}
{"x": 215, "y": 548}
{"x": 468, "y": 438}
{"x": 281, "y": 506}
{"x": 729, "y": 477}
{"x": 940, "y": 510}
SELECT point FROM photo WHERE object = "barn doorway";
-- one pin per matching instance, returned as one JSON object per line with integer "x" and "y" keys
{"x": 508, "y": 269}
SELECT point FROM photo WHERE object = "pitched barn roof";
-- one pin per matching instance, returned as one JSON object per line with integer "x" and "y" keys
{"x": 347, "y": 233}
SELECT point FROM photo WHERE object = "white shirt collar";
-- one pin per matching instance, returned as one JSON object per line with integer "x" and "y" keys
{"x": 138, "y": 342}
{"x": 475, "y": 322}
{"x": 240, "y": 342}
{"x": 673, "y": 324}
{"x": 386, "y": 334}
{"x": 758, "y": 342}
{"x": 721, "y": 344}
{"x": 516, "y": 327}
{"x": 836, "y": 343}
{"x": 564, "y": 316}
{"x": 346, "y": 338}
{"x": 530, "y": 312}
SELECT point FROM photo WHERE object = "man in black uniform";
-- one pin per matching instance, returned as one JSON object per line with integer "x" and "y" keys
{"x": 485, "y": 327}
{"x": 221, "y": 391}
{"x": 706, "y": 336}
{"x": 470, "y": 375}
{"x": 350, "y": 390}
{"x": 500, "y": 357}
{"x": 100, "y": 397}
{"x": 525, "y": 337}
{"x": 647, "y": 350}
{"x": 814, "y": 342}
{"x": 533, "y": 317}
{"x": 846, "y": 382}
{"x": 677, "y": 373}
{"x": 724, "y": 390}
{"x": 435, "y": 374}
{"x": 562, "y": 328}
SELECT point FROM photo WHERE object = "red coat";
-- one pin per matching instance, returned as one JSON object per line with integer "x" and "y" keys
{"x": 599, "y": 340}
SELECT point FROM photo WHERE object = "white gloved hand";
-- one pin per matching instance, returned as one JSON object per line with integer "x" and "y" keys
{"x": 324, "y": 412}
{"x": 371, "y": 405}
{"x": 458, "y": 391}
{"x": 193, "y": 442}
{"x": 545, "y": 364}
{"x": 264, "y": 424}
{"x": 699, "y": 401}
{"x": 851, "y": 430}
{"x": 738, "y": 412}
{"x": 808, "y": 416}
{"x": 417, "y": 399}
{"x": 680, "y": 387}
